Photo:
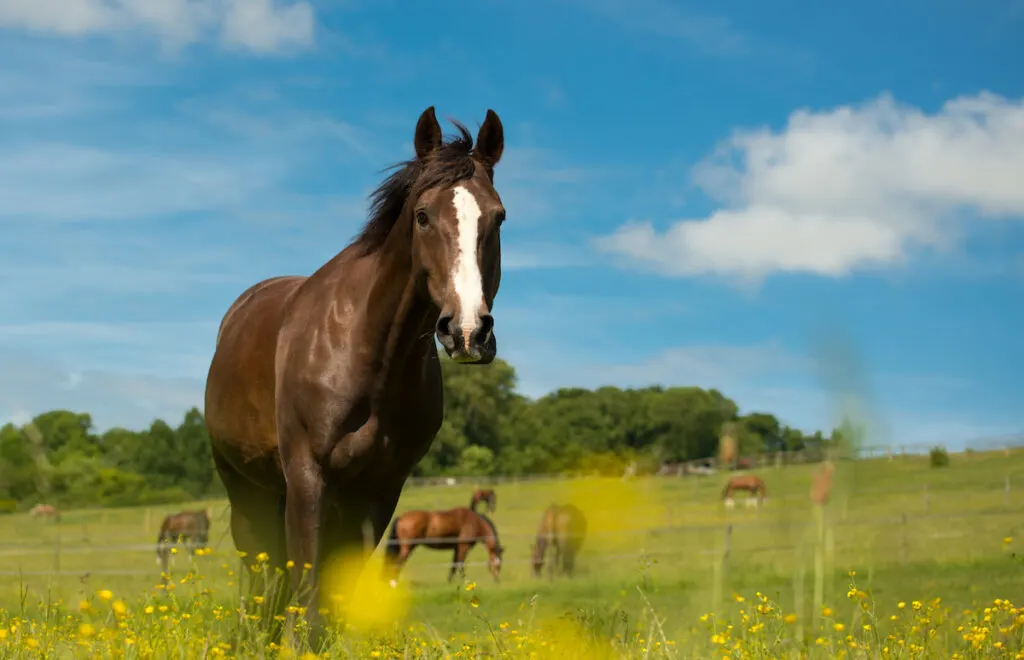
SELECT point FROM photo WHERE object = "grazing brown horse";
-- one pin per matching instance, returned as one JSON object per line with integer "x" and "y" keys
{"x": 563, "y": 527}
{"x": 483, "y": 495}
{"x": 191, "y": 527}
{"x": 456, "y": 529}
{"x": 46, "y": 510}
{"x": 748, "y": 482}
{"x": 324, "y": 391}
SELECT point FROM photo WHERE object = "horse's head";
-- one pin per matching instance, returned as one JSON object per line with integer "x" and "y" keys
{"x": 456, "y": 247}
{"x": 537, "y": 554}
{"x": 494, "y": 561}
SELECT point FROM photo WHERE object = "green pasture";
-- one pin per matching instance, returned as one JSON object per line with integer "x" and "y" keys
{"x": 909, "y": 531}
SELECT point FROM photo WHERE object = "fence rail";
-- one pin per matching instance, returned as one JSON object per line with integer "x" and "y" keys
{"x": 722, "y": 552}
{"x": 884, "y": 521}
{"x": 760, "y": 460}
{"x": 671, "y": 509}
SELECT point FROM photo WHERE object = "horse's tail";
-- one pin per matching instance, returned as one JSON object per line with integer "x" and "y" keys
{"x": 392, "y": 549}
{"x": 472, "y": 502}
{"x": 763, "y": 489}
{"x": 727, "y": 489}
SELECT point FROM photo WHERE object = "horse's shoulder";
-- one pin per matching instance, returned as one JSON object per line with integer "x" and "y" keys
{"x": 272, "y": 290}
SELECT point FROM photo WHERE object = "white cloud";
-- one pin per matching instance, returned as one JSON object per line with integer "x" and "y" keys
{"x": 262, "y": 26}
{"x": 843, "y": 189}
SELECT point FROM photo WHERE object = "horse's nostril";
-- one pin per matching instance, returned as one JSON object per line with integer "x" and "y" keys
{"x": 444, "y": 326}
{"x": 486, "y": 326}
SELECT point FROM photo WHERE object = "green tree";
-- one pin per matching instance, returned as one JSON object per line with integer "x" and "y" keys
{"x": 476, "y": 461}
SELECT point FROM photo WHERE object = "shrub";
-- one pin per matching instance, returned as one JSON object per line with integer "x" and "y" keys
{"x": 938, "y": 457}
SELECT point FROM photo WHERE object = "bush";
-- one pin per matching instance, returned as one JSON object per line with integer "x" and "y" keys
{"x": 938, "y": 457}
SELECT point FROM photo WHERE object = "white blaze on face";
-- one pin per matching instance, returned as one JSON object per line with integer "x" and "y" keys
{"x": 466, "y": 278}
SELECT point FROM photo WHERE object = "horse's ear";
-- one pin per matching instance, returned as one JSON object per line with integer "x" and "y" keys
{"x": 490, "y": 141}
{"x": 428, "y": 134}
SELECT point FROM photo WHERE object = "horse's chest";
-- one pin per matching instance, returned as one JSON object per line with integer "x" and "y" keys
{"x": 388, "y": 441}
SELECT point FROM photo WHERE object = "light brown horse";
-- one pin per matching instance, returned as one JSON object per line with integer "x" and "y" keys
{"x": 748, "y": 482}
{"x": 45, "y": 510}
{"x": 324, "y": 391}
{"x": 456, "y": 529}
{"x": 483, "y": 495}
{"x": 563, "y": 527}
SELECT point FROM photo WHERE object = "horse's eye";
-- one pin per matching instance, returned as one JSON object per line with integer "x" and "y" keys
{"x": 422, "y": 219}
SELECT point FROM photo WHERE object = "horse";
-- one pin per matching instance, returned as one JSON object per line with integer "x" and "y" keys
{"x": 563, "y": 527}
{"x": 192, "y": 527}
{"x": 483, "y": 495}
{"x": 47, "y": 510}
{"x": 325, "y": 390}
{"x": 748, "y": 482}
{"x": 457, "y": 529}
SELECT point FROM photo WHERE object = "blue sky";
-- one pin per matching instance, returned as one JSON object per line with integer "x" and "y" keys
{"x": 802, "y": 205}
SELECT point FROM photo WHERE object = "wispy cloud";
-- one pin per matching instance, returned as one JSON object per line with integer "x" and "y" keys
{"x": 32, "y": 386}
{"x": 842, "y": 190}
{"x": 66, "y": 182}
{"x": 714, "y": 34}
{"x": 258, "y": 26}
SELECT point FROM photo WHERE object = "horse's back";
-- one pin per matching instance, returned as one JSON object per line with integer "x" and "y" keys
{"x": 571, "y": 522}
{"x": 241, "y": 381}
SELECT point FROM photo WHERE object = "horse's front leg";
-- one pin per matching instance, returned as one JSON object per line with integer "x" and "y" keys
{"x": 459, "y": 561}
{"x": 303, "y": 517}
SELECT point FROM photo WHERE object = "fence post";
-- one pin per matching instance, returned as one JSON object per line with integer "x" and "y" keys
{"x": 726, "y": 546}
{"x": 903, "y": 538}
{"x": 56, "y": 554}
{"x": 819, "y": 563}
{"x": 719, "y": 567}
{"x": 1006, "y": 490}
{"x": 927, "y": 499}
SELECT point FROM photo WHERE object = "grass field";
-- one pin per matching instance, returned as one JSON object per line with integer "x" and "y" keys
{"x": 652, "y": 567}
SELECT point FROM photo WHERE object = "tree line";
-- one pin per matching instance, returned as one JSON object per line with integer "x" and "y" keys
{"x": 489, "y": 429}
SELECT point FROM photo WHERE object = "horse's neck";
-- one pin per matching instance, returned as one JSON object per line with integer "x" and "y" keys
{"x": 488, "y": 537}
{"x": 398, "y": 324}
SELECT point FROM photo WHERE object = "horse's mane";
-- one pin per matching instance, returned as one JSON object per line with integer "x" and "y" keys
{"x": 494, "y": 529}
{"x": 450, "y": 163}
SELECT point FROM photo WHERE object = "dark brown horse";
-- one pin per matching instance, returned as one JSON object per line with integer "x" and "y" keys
{"x": 456, "y": 529}
{"x": 748, "y": 482}
{"x": 324, "y": 391}
{"x": 483, "y": 495}
{"x": 190, "y": 527}
{"x": 563, "y": 527}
